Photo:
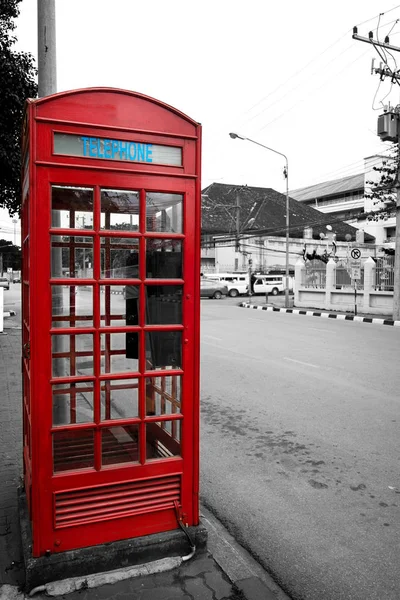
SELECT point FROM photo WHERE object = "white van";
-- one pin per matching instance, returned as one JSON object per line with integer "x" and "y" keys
{"x": 237, "y": 283}
{"x": 271, "y": 284}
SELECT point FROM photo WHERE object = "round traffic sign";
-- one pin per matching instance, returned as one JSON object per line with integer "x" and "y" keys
{"x": 355, "y": 253}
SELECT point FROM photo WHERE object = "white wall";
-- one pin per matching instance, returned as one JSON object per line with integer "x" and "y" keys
{"x": 273, "y": 252}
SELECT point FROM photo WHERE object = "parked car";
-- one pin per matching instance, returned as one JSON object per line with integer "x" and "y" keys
{"x": 212, "y": 289}
{"x": 4, "y": 283}
{"x": 269, "y": 284}
{"x": 17, "y": 280}
{"x": 237, "y": 283}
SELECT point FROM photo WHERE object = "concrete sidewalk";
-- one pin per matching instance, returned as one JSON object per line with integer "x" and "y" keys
{"x": 225, "y": 571}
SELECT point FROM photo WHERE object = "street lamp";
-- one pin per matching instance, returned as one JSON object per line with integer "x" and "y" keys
{"x": 286, "y": 172}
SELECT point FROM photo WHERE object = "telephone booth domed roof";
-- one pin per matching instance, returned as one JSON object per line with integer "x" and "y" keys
{"x": 117, "y": 108}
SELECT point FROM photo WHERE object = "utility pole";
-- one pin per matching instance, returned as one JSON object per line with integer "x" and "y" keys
{"x": 383, "y": 72}
{"x": 47, "y": 65}
{"x": 249, "y": 275}
{"x": 47, "y": 85}
{"x": 15, "y": 221}
{"x": 237, "y": 246}
{"x": 396, "y": 283}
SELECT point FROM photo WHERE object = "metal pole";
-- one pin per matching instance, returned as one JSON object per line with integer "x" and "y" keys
{"x": 250, "y": 292}
{"x": 355, "y": 297}
{"x": 242, "y": 137}
{"x": 287, "y": 237}
{"x": 237, "y": 219}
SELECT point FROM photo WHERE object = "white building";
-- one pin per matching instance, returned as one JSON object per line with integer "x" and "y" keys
{"x": 346, "y": 199}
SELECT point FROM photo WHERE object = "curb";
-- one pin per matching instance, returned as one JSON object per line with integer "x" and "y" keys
{"x": 311, "y": 313}
{"x": 242, "y": 570}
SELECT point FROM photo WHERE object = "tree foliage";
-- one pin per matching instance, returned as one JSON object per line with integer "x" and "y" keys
{"x": 18, "y": 82}
{"x": 383, "y": 192}
{"x": 11, "y": 255}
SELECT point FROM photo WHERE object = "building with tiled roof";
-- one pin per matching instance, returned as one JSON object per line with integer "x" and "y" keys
{"x": 239, "y": 222}
{"x": 263, "y": 211}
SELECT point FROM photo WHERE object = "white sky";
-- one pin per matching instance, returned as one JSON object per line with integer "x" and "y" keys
{"x": 286, "y": 74}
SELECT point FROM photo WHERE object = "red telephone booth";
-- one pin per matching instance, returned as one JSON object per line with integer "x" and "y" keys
{"x": 111, "y": 263}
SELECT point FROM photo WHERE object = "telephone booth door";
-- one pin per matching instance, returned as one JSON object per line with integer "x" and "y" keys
{"x": 111, "y": 428}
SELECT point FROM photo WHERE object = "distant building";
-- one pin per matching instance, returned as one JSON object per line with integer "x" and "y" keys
{"x": 345, "y": 199}
{"x": 242, "y": 222}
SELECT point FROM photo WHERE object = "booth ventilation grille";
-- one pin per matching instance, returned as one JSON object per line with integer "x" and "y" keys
{"x": 91, "y": 505}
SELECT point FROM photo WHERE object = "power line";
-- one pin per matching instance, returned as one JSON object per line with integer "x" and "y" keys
{"x": 314, "y": 59}
{"x": 292, "y": 89}
{"x": 385, "y": 13}
{"x": 329, "y": 81}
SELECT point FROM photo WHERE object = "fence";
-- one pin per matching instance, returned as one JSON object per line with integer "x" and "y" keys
{"x": 330, "y": 287}
{"x": 343, "y": 278}
{"x": 384, "y": 274}
{"x": 314, "y": 274}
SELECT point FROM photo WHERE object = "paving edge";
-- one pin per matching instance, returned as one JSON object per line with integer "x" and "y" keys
{"x": 242, "y": 570}
{"x": 326, "y": 315}
{"x": 74, "y": 584}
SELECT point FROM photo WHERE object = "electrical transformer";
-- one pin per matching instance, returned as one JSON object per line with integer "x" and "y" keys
{"x": 388, "y": 127}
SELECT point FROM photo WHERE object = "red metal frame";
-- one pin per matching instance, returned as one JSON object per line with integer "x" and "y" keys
{"x": 98, "y": 477}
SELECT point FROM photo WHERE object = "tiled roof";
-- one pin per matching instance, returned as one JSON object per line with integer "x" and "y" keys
{"x": 329, "y": 188}
{"x": 263, "y": 210}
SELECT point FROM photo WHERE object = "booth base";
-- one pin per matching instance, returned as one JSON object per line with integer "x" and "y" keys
{"x": 105, "y": 557}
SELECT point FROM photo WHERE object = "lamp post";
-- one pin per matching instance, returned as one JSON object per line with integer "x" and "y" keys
{"x": 286, "y": 172}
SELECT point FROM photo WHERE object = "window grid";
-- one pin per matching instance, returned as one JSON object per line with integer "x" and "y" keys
{"x": 168, "y": 423}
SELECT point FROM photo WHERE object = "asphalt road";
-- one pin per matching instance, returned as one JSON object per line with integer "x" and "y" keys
{"x": 300, "y": 447}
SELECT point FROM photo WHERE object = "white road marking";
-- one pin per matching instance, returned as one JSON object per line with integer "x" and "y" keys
{"x": 300, "y": 362}
{"x": 212, "y": 337}
{"x": 318, "y": 329}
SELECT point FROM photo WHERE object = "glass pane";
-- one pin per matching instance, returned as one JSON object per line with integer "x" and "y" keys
{"x": 119, "y": 399}
{"x": 72, "y": 207}
{"x": 73, "y": 450}
{"x": 119, "y": 352}
{"x": 164, "y": 259}
{"x": 72, "y": 355}
{"x": 120, "y": 444}
{"x": 163, "y": 350}
{"x": 164, "y": 212}
{"x": 71, "y": 257}
{"x": 72, "y": 306}
{"x": 163, "y": 304}
{"x": 120, "y": 210}
{"x": 119, "y": 258}
{"x": 72, "y": 403}
{"x": 163, "y": 395}
{"x": 162, "y": 440}
{"x": 119, "y": 305}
